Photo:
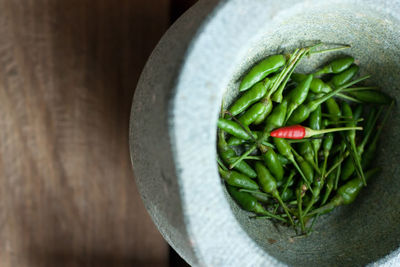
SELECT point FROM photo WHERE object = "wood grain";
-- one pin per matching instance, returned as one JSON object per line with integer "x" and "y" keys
{"x": 68, "y": 69}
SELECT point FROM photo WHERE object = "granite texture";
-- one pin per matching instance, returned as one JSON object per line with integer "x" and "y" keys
{"x": 173, "y": 132}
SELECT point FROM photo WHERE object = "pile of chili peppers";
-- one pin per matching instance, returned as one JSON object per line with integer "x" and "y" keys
{"x": 294, "y": 146}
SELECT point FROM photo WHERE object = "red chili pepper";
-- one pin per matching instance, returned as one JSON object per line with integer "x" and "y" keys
{"x": 300, "y": 132}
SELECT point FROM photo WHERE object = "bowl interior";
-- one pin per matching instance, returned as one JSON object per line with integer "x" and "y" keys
{"x": 366, "y": 230}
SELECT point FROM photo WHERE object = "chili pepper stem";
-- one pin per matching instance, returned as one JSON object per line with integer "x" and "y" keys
{"x": 300, "y": 207}
{"x": 277, "y": 97}
{"x": 315, "y": 166}
{"x": 335, "y": 116}
{"x": 288, "y": 181}
{"x": 346, "y": 85}
{"x": 254, "y": 192}
{"x": 295, "y": 58}
{"x": 312, "y": 224}
{"x": 309, "y": 206}
{"x": 267, "y": 144}
{"x": 242, "y": 126}
{"x": 356, "y": 159}
{"x": 329, "y": 190}
{"x": 336, "y": 165}
{"x": 294, "y": 141}
{"x": 221, "y": 164}
{"x": 277, "y": 217}
{"x": 376, "y": 137}
{"x": 253, "y": 147}
{"x": 285, "y": 208}
{"x": 310, "y": 132}
{"x": 355, "y": 89}
{"x": 384, "y": 121}
{"x": 301, "y": 174}
{"x": 350, "y": 98}
{"x": 338, "y": 173}
{"x": 315, "y": 103}
{"x": 316, "y": 157}
{"x": 250, "y": 158}
{"x": 360, "y": 148}
{"x": 347, "y": 121}
{"x": 324, "y": 167}
{"x": 330, "y": 49}
{"x": 323, "y": 209}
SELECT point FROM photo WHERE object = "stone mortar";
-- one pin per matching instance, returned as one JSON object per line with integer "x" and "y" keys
{"x": 173, "y": 132}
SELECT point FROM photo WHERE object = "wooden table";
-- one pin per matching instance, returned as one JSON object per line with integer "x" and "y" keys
{"x": 68, "y": 69}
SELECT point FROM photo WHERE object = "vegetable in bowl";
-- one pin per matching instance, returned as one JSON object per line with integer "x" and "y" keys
{"x": 292, "y": 146}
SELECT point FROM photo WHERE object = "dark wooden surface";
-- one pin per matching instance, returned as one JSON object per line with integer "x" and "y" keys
{"x": 68, "y": 69}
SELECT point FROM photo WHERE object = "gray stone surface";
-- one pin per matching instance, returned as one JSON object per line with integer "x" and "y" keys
{"x": 173, "y": 126}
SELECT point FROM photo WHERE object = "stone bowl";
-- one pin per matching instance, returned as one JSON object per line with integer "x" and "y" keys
{"x": 173, "y": 132}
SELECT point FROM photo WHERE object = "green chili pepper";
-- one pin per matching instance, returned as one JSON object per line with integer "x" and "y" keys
{"x": 316, "y": 124}
{"x": 332, "y": 181}
{"x": 257, "y": 113}
{"x": 317, "y": 85}
{"x": 287, "y": 194}
{"x": 333, "y": 108}
{"x": 277, "y": 117}
{"x": 263, "y": 115}
{"x": 358, "y": 112}
{"x": 266, "y": 102}
{"x": 336, "y": 66}
{"x": 327, "y": 144}
{"x": 228, "y": 156}
{"x": 283, "y": 160}
{"x": 306, "y": 150}
{"x": 345, "y": 76}
{"x": 237, "y": 179}
{"x": 250, "y": 97}
{"x": 285, "y": 149}
{"x": 235, "y": 141}
{"x": 369, "y": 154}
{"x": 275, "y": 120}
{"x": 346, "y": 194}
{"x": 372, "y": 97}
{"x": 268, "y": 184}
{"x": 318, "y": 185}
{"x": 233, "y": 128}
{"x": 298, "y": 95}
{"x": 311, "y": 96}
{"x": 260, "y": 196}
{"x": 298, "y": 77}
{"x": 303, "y": 111}
{"x": 347, "y": 112}
{"x": 250, "y": 203}
{"x": 305, "y": 102}
{"x": 347, "y": 169}
{"x": 261, "y": 70}
{"x": 306, "y": 168}
{"x": 274, "y": 165}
